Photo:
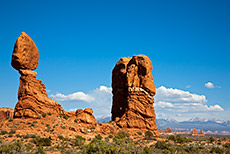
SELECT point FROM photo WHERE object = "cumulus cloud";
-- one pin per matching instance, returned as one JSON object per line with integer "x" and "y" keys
{"x": 75, "y": 96}
{"x": 100, "y": 99}
{"x": 176, "y": 95}
{"x": 169, "y": 102}
{"x": 181, "y": 104}
{"x": 209, "y": 85}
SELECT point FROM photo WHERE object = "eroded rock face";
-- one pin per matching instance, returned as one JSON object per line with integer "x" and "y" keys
{"x": 133, "y": 91}
{"x": 86, "y": 116}
{"x": 32, "y": 97}
{"x": 6, "y": 113}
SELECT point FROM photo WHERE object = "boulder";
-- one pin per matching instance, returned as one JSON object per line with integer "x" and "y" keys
{"x": 25, "y": 54}
{"x": 6, "y": 113}
{"x": 86, "y": 116}
{"x": 133, "y": 91}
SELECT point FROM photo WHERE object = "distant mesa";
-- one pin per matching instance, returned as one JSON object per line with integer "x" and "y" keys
{"x": 133, "y": 91}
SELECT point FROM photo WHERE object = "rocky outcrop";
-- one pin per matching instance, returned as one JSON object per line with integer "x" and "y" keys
{"x": 32, "y": 97}
{"x": 86, "y": 116}
{"x": 6, "y": 113}
{"x": 194, "y": 131}
{"x": 133, "y": 91}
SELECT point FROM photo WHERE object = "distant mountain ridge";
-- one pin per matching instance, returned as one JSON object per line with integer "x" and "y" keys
{"x": 215, "y": 126}
{"x": 212, "y": 126}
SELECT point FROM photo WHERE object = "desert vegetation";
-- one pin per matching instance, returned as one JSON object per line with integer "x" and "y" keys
{"x": 118, "y": 143}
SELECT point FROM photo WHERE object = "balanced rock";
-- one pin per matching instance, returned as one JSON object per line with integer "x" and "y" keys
{"x": 133, "y": 91}
{"x": 6, "y": 113}
{"x": 32, "y": 97}
{"x": 25, "y": 54}
{"x": 86, "y": 116}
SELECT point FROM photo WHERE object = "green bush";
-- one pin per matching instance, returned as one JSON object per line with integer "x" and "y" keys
{"x": 79, "y": 141}
{"x": 147, "y": 150}
{"x": 3, "y": 132}
{"x": 12, "y": 131}
{"x": 161, "y": 145}
{"x": 75, "y": 120}
{"x": 42, "y": 141}
{"x": 43, "y": 115}
{"x": 98, "y": 137}
{"x": 65, "y": 117}
{"x": 139, "y": 133}
{"x": 10, "y": 120}
{"x": 49, "y": 114}
{"x": 216, "y": 150}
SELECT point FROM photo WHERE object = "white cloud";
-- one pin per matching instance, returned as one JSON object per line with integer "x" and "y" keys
{"x": 182, "y": 104}
{"x": 169, "y": 102}
{"x": 105, "y": 89}
{"x": 188, "y": 86}
{"x": 215, "y": 108}
{"x": 164, "y": 104}
{"x": 100, "y": 99}
{"x": 75, "y": 96}
{"x": 209, "y": 85}
{"x": 176, "y": 95}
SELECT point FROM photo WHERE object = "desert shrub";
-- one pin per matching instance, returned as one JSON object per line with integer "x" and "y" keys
{"x": 121, "y": 137}
{"x": 40, "y": 150}
{"x": 98, "y": 137}
{"x": 49, "y": 114}
{"x": 191, "y": 149}
{"x": 147, "y": 150}
{"x": 161, "y": 145}
{"x": 171, "y": 137}
{"x": 10, "y": 120}
{"x": 12, "y": 131}
{"x": 10, "y": 135}
{"x": 216, "y": 150}
{"x": 110, "y": 136}
{"x": 11, "y": 148}
{"x": 43, "y": 115}
{"x": 148, "y": 135}
{"x": 211, "y": 139}
{"x": 63, "y": 127}
{"x": 75, "y": 120}
{"x": 139, "y": 133}
{"x": 227, "y": 145}
{"x": 29, "y": 136}
{"x": 65, "y": 117}
{"x": 61, "y": 137}
{"x": 3, "y": 132}
{"x": 79, "y": 141}
{"x": 181, "y": 140}
{"x": 42, "y": 141}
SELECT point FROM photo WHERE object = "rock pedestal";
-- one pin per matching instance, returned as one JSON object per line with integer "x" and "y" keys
{"x": 32, "y": 97}
{"x": 133, "y": 91}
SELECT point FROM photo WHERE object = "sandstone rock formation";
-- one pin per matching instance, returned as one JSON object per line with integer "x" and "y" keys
{"x": 194, "y": 131}
{"x": 133, "y": 91}
{"x": 6, "y": 113}
{"x": 201, "y": 132}
{"x": 32, "y": 97}
{"x": 86, "y": 116}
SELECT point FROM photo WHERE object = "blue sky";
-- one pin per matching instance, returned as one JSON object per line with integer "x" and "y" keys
{"x": 79, "y": 42}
